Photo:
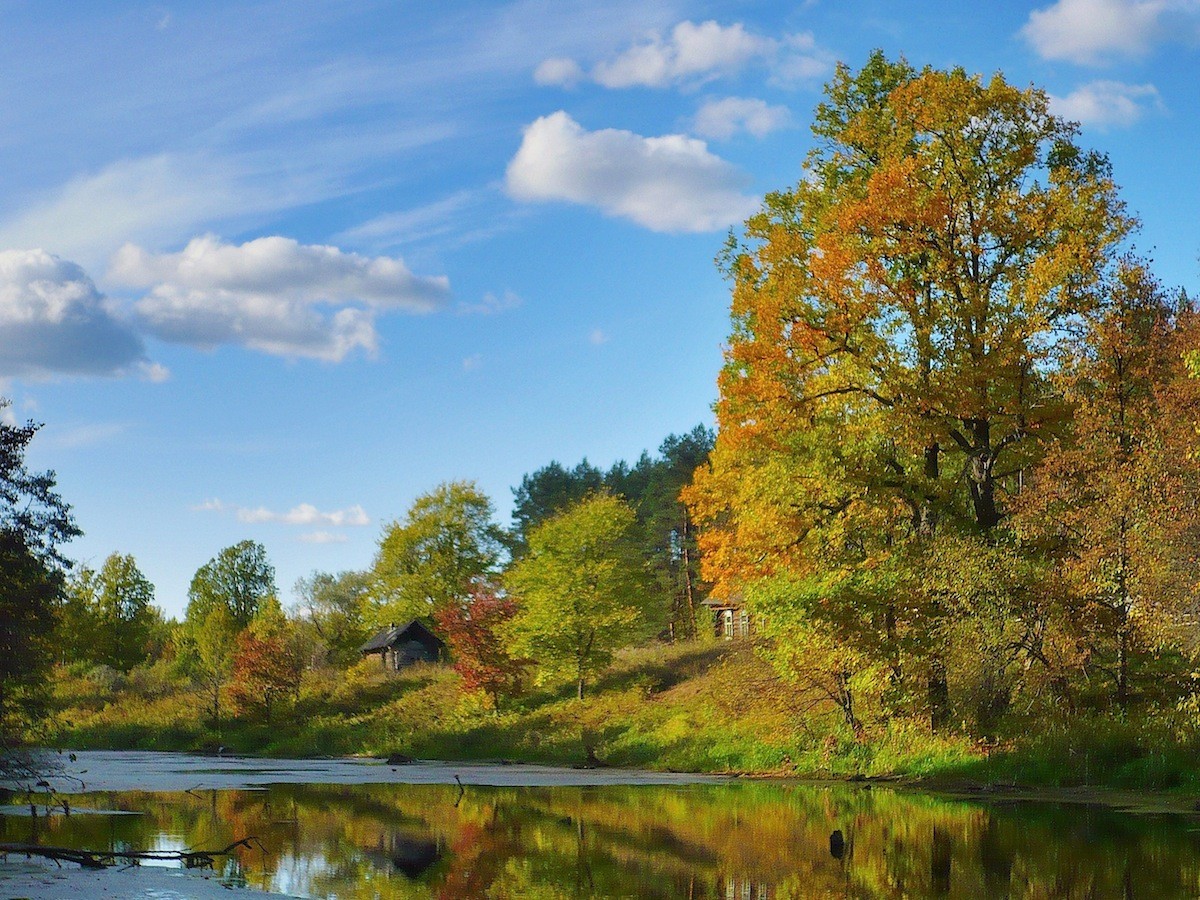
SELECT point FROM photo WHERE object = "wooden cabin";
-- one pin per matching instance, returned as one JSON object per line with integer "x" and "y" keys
{"x": 731, "y": 619}
{"x": 402, "y": 645}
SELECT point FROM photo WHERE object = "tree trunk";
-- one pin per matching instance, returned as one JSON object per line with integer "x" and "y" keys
{"x": 939, "y": 696}
{"x": 687, "y": 571}
{"x": 983, "y": 478}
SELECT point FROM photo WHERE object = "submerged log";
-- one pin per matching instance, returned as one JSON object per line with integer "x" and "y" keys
{"x": 99, "y": 859}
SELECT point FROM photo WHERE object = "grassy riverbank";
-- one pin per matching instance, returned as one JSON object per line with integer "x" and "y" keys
{"x": 681, "y": 708}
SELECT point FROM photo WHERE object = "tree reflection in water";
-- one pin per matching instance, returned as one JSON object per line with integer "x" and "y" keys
{"x": 746, "y": 840}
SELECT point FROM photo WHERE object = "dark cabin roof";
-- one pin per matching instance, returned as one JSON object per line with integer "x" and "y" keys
{"x": 389, "y": 637}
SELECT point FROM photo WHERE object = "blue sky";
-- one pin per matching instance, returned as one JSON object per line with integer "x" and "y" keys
{"x": 271, "y": 270}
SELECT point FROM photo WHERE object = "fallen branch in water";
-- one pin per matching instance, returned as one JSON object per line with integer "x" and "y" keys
{"x": 98, "y": 859}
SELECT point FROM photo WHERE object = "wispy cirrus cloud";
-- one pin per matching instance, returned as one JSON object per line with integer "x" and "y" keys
{"x": 669, "y": 184}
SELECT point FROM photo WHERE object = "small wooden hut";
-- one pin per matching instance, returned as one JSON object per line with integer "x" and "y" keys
{"x": 731, "y": 619}
{"x": 402, "y": 645}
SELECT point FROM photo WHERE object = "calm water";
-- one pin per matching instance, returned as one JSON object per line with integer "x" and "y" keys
{"x": 743, "y": 840}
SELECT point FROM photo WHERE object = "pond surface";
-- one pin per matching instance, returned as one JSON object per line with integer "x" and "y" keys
{"x": 734, "y": 840}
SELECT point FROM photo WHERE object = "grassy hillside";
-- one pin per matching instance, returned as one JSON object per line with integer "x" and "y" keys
{"x": 689, "y": 708}
{"x": 682, "y": 707}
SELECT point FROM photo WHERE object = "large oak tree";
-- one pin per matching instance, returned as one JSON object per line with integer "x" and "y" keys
{"x": 895, "y": 318}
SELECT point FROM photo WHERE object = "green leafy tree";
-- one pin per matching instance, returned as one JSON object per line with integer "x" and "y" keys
{"x": 239, "y": 578}
{"x": 581, "y": 590}
{"x": 670, "y": 533}
{"x": 119, "y": 613}
{"x": 34, "y": 523}
{"x": 333, "y": 607}
{"x": 226, "y": 593}
{"x": 76, "y": 616}
{"x": 446, "y": 542}
{"x": 29, "y": 593}
{"x": 213, "y": 642}
{"x": 652, "y": 486}
{"x": 546, "y": 492}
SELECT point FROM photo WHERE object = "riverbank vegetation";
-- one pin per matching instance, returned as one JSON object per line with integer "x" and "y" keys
{"x": 954, "y": 496}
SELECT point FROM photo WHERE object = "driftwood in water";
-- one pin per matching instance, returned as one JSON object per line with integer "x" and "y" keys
{"x": 98, "y": 859}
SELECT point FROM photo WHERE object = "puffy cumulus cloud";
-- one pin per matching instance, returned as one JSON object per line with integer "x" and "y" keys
{"x": 1090, "y": 32}
{"x": 669, "y": 184}
{"x": 272, "y": 294}
{"x": 693, "y": 53}
{"x": 307, "y": 514}
{"x": 1106, "y": 104}
{"x": 54, "y": 321}
{"x": 721, "y": 119}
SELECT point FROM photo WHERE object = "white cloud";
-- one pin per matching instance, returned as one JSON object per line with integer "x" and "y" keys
{"x": 272, "y": 294}
{"x": 210, "y": 505}
{"x": 560, "y": 71}
{"x": 490, "y": 305}
{"x": 668, "y": 184}
{"x": 307, "y": 514}
{"x": 721, "y": 119}
{"x": 472, "y": 362}
{"x": 155, "y": 373}
{"x": 1106, "y": 104}
{"x": 1090, "y": 32}
{"x": 323, "y": 537}
{"x": 54, "y": 321}
{"x": 597, "y": 337}
{"x": 801, "y": 61}
{"x": 693, "y": 54}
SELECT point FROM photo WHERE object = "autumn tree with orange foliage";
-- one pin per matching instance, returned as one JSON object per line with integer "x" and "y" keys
{"x": 897, "y": 320}
{"x": 474, "y": 629}
{"x": 265, "y": 672}
{"x": 1115, "y": 507}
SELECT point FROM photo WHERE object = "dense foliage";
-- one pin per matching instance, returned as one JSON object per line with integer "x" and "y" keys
{"x": 34, "y": 522}
{"x": 474, "y": 630}
{"x": 582, "y": 590}
{"x": 430, "y": 559}
{"x": 952, "y": 477}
